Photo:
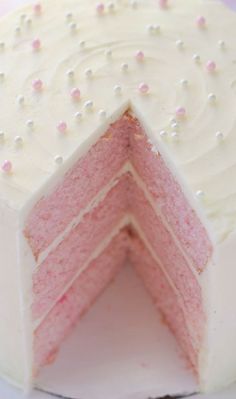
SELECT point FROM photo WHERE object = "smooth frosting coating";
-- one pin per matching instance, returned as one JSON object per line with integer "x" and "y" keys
{"x": 68, "y": 69}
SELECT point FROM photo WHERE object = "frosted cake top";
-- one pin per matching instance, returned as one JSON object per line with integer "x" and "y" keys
{"x": 69, "y": 68}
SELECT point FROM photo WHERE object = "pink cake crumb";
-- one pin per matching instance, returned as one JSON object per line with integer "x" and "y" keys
{"x": 172, "y": 259}
{"x": 171, "y": 227}
{"x": 77, "y": 300}
{"x": 169, "y": 197}
{"x": 163, "y": 296}
{"x": 70, "y": 255}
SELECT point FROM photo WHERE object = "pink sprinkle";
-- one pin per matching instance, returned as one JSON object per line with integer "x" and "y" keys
{"x": 37, "y": 8}
{"x": 211, "y": 66}
{"x": 139, "y": 55}
{"x": 62, "y": 127}
{"x": 201, "y": 21}
{"x": 180, "y": 112}
{"x": 143, "y": 88}
{"x": 100, "y": 8}
{"x": 7, "y": 166}
{"x": 75, "y": 94}
{"x": 36, "y": 44}
{"x": 37, "y": 85}
{"x": 163, "y": 3}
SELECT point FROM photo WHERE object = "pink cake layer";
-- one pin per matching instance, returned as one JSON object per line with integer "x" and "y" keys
{"x": 124, "y": 140}
{"x": 169, "y": 197}
{"x": 171, "y": 258}
{"x": 77, "y": 188}
{"x": 70, "y": 255}
{"x": 163, "y": 296}
{"x": 71, "y": 306}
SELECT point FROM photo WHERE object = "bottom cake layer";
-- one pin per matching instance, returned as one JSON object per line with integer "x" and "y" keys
{"x": 91, "y": 283}
{"x": 72, "y": 305}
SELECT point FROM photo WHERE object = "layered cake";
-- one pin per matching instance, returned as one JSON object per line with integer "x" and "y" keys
{"x": 117, "y": 142}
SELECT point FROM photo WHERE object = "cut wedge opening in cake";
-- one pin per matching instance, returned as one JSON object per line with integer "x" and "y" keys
{"x": 118, "y": 202}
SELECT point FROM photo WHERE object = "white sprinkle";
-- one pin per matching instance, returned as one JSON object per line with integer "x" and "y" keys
{"x": 179, "y": 44}
{"x": 29, "y": 21}
{"x": 18, "y": 140}
{"x": 174, "y": 136}
{"x": 175, "y": 126}
{"x": 150, "y": 28}
{"x": 78, "y": 115}
{"x": 82, "y": 44}
{"x": 88, "y": 105}
{"x": 58, "y": 160}
{"x": 2, "y": 135}
{"x": 17, "y": 30}
{"x": 88, "y": 73}
{"x": 73, "y": 27}
{"x": 163, "y": 134}
{"x": 134, "y": 3}
{"x": 221, "y": 44}
{"x": 219, "y": 136}
{"x": 196, "y": 58}
{"x": 124, "y": 67}
{"x": 30, "y": 124}
{"x": 212, "y": 98}
{"x": 184, "y": 82}
{"x": 172, "y": 120}
{"x": 102, "y": 114}
{"x": 20, "y": 100}
{"x": 111, "y": 6}
{"x": 200, "y": 194}
{"x": 70, "y": 73}
{"x": 117, "y": 89}
{"x": 156, "y": 28}
{"x": 69, "y": 16}
{"x": 22, "y": 17}
{"x": 108, "y": 53}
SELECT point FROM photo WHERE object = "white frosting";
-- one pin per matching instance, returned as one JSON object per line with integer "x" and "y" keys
{"x": 94, "y": 51}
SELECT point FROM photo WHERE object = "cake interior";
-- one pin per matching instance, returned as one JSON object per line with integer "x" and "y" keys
{"x": 119, "y": 202}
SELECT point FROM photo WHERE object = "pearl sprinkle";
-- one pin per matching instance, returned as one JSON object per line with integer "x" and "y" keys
{"x": 100, "y": 8}
{"x": 58, "y": 160}
{"x": 117, "y": 90}
{"x": 7, "y": 166}
{"x": 139, "y": 56}
{"x": 201, "y": 22}
{"x": 36, "y": 44}
{"x": 75, "y": 94}
{"x": 219, "y": 136}
{"x": 37, "y": 85}
{"x": 143, "y": 88}
{"x": 62, "y": 127}
{"x": 211, "y": 66}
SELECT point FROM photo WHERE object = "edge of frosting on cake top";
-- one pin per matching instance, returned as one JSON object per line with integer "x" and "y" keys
{"x": 68, "y": 69}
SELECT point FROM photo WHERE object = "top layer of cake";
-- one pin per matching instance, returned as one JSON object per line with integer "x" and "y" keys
{"x": 69, "y": 68}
